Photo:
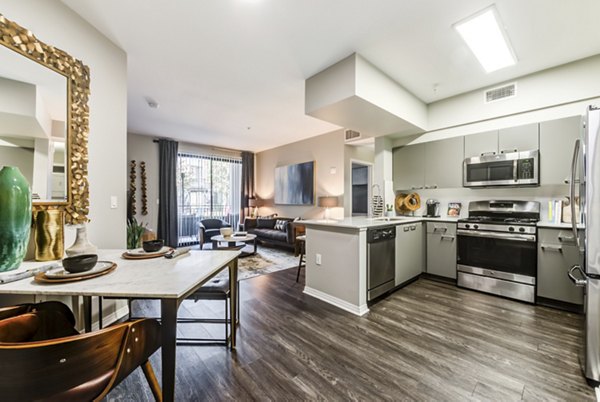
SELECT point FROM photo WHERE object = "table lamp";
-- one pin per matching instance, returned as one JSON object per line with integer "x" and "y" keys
{"x": 253, "y": 203}
{"x": 328, "y": 202}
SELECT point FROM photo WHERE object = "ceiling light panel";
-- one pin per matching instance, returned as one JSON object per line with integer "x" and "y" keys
{"x": 483, "y": 34}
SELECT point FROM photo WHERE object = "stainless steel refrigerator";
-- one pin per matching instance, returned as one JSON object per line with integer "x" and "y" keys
{"x": 585, "y": 171}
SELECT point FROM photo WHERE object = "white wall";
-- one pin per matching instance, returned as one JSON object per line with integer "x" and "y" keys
{"x": 327, "y": 151}
{"x": 54, "y": 23}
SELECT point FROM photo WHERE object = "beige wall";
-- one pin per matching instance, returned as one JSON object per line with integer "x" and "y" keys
{"x": 56, "y": 24}
{"x": 327, "y": 151}
{"x": 141, "y": 148}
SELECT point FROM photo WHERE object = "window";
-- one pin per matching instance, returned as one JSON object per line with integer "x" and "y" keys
{"x": 208, "y": 186}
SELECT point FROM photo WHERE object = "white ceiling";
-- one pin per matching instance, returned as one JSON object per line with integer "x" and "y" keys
{"x": 217, "y": 67}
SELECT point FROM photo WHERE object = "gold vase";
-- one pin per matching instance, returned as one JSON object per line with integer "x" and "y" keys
{"x": 49, "y": 235}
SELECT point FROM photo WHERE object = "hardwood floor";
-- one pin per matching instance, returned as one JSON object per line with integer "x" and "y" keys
{"x": 427, "y": 341}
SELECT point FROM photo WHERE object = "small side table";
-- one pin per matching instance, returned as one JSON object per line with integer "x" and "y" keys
{"x": 233, "y": 240}
{"x": 301, "y": 251}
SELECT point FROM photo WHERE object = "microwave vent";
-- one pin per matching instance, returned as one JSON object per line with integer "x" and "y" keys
{"x": 351, "y": 135}
{"x": 499, "y": 93}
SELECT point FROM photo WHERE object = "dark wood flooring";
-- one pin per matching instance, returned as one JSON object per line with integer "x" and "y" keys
{"x": 427, "y": 341}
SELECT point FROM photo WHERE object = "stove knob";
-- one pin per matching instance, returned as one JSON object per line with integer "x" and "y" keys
{"x": 511, "y": 229}
{"x": 467, "y": 226}
{"x": 475, "y": 226}
{"x": 521, "y": 230}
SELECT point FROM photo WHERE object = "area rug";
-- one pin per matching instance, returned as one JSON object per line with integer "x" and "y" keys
{"x": 266, "y": 261}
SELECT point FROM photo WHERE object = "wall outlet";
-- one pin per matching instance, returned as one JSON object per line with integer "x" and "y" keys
{"x": 318, "y": 259}
{"x": 113, "y": 202}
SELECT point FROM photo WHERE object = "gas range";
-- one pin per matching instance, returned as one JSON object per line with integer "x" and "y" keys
{"x": 497, "y": 248}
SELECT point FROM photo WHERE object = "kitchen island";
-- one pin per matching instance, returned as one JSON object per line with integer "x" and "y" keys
{"x": 336, "y": 257}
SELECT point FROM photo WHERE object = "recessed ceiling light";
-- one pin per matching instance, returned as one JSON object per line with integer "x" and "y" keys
{"x": 487, "y": 40}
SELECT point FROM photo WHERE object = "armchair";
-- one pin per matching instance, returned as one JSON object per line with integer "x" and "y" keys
{"x": 207, "y": 228}
{"x": 76, "y": 367}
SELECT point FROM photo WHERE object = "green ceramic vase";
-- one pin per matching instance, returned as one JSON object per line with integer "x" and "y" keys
{"x": 15, "y": 217}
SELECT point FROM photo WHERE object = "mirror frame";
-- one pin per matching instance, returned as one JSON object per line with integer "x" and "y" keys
{"x": 22, "y": 41}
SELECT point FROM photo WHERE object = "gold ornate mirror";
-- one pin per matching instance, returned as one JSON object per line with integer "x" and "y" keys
{"x": 44, "y": 120}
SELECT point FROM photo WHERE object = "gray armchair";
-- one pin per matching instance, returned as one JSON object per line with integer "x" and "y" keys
{"x": 207, "y": 228}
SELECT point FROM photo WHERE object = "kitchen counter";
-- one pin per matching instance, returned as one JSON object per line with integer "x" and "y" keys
{"x": 362, "y": 223}
{"x": 562, "y": 225}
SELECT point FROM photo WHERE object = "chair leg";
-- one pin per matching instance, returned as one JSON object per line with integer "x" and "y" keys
{"x": 152, "y": 381}
{"x": 99, "y": 312}
{"x": 299, "y": 266}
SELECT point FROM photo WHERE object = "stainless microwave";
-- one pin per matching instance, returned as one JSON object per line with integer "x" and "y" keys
{"x": 509, "y": 169}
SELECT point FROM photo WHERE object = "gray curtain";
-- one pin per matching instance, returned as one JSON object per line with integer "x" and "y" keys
{"x": 167, "y": 191}
{"x": 247, "y": 182}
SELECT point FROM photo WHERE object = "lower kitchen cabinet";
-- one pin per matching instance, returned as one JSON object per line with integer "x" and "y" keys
{"x": 557, "y": 253}
{"x": 441, "y": 249}
{"x": 410, "y": 252}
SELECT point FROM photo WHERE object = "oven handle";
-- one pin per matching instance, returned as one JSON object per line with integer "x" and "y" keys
{"x": 494, "y": 235}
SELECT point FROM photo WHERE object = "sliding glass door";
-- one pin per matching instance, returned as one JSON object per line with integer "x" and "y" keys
{"x": 208, "y": 186}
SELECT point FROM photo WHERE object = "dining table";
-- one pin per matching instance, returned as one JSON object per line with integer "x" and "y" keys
{"x": 169, "y": 280}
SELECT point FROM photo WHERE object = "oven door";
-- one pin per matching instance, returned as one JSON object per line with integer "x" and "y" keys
{"x": 508, "y": 253}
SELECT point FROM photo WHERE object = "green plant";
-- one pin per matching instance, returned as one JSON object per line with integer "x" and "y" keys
{"x": 135, "y": 231}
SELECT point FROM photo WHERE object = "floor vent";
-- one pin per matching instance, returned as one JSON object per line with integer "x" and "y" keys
{"x": 499, "y": 93}
{"x": 351, "y": 135}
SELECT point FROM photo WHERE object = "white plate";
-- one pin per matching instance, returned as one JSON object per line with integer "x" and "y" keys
{"x": 60, "y": 273}
{"x": 138, "y": 252}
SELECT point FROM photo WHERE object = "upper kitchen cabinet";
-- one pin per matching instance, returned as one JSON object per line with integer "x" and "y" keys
{"x": 557, "y": 138}
{"x": 443, "y": 166}
{"x": 520, "y": 138}
{"x": 408, "y": 167}
{"x": 481, "y": 143}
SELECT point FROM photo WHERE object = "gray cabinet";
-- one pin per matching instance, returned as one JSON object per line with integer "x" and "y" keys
{"x": 443, "y": 166}
{"x": 410, "y": 252}
{"x": 557, "y": 138}
{"x": 520, "y": 138}
{"x": 441, "y": 249}
{"x": 557, "y": 253}
{"x": 408, "y": 167}
{"x": 481, "y": 143}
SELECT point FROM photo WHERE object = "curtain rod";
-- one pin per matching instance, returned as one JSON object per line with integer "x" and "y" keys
{"x": 208, "y": 146}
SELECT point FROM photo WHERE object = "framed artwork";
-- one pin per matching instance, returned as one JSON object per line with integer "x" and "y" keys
{"x": 294, "y": 184}
{"x": 454, "y": 209}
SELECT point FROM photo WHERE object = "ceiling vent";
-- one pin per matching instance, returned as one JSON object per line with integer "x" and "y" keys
{"x": 499, "y": 93}
{"x": 351, "y": 135}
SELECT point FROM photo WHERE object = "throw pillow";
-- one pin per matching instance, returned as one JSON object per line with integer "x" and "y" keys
{"x": 280, "y": 224}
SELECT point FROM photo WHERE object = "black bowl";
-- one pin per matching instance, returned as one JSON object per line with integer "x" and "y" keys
{"x": 80, "y": 263}
{"x": 153, "y": 246}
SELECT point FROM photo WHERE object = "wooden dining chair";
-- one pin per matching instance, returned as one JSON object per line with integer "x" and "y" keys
{"x": 74, "y": 368}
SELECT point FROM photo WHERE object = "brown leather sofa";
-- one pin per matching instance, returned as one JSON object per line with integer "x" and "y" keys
{"x": 266, "y": 232}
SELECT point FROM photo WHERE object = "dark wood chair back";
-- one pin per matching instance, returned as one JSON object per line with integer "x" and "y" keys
{"x": 81, "y": 367}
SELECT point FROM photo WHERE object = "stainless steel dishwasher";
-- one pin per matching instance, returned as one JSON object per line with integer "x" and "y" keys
{"x": 381, "y": 259}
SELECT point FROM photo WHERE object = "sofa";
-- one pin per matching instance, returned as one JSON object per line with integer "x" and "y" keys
{"x": 275, "y": 230}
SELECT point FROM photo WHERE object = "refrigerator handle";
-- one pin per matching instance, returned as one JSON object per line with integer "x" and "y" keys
{"x": 581, "y": 282}
{"x": 572, "y": 191}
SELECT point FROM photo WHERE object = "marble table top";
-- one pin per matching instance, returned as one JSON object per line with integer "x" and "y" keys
{"x": 151, "y": 278}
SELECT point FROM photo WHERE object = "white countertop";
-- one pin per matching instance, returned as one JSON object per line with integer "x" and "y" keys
{"x": 152, "y": 278}
{"x": 365, "y": 223}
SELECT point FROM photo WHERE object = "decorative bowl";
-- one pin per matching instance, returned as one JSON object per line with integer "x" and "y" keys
{"x": 153, "y": 246}
{"x": 226, "y": 232}
{"x": 80, "y": 263}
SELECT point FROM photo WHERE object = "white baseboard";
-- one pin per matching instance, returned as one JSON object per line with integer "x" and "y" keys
{"x": 339, "y": 303}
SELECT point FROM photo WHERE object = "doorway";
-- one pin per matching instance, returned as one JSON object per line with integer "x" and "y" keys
{"x": 361, "y": 185}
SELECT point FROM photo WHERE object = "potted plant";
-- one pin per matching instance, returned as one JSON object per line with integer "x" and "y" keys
{"x": 135, "y": 231}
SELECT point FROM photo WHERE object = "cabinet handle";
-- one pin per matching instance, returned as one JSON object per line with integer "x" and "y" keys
{"x": 406, "y": 228}
{"x": 440, "y": 229}
{"x": 566, "y": 239}
{"x": 508, "y": 151}
{"x": 487, "y": 153}
{"x": 413, "y": 228}
{"x": 416, "y": 187}
{"x": 447, "y": 237}
{"x": 552, "y": 248}
{"x": 430, "y": 187}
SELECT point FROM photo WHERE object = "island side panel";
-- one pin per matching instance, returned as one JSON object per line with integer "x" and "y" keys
{"x": 341, "y": 278}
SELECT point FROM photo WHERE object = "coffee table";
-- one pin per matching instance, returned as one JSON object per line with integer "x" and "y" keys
{"x": 232, "y": 241}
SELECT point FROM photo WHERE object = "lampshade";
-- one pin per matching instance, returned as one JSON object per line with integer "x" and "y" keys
{"x": 252, "y": 202}
{"x": 328, "y": 202}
